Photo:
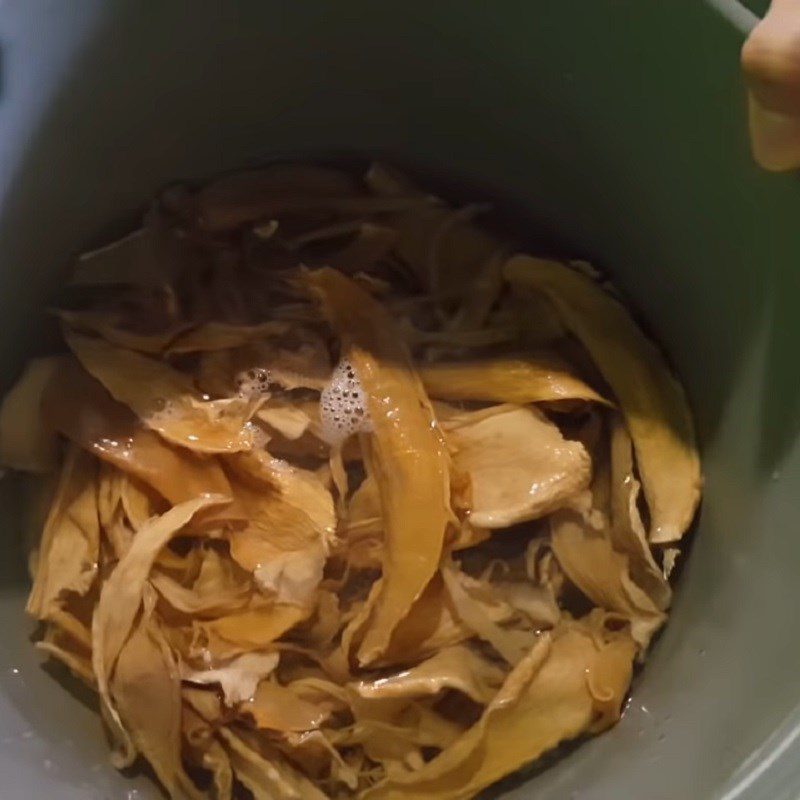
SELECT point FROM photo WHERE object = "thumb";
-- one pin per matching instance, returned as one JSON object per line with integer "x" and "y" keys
{"x": 771, "y": 66}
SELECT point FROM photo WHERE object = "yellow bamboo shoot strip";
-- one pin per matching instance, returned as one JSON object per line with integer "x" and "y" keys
{"x": 652, "y": 401}
{"x": 407, "y": 454}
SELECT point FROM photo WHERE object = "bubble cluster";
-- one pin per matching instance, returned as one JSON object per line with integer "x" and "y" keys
{"x": 343, "y": 405}
{"x": 253, "y": 382}
{"x": 258, "y": 435}
{"x": 163, "y": 412}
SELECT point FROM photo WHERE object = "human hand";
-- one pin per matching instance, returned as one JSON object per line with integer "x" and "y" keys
{"x": 771, "y": 65}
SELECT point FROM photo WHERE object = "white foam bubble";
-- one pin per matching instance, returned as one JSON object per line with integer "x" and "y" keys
{"x": 258, "y": 434}
{"x": 343, "y": 405}
{"x": 164, "y": 412}
{"x": 253, "y": 382}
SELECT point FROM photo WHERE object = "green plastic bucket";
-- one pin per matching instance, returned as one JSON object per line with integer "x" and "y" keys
{"x": 618, "y": 125}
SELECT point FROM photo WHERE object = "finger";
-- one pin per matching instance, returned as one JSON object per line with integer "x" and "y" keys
{"x": 771, "y": 65}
